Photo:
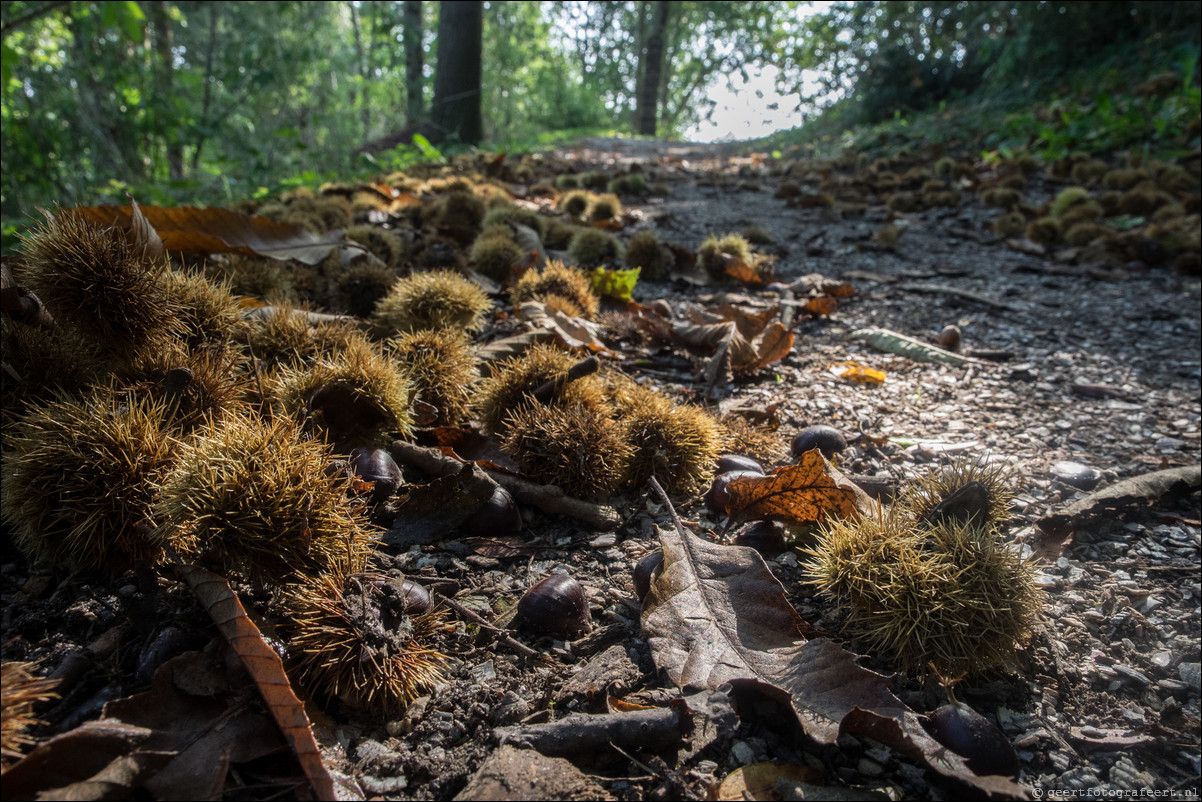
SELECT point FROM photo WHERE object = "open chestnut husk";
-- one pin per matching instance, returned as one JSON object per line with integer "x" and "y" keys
{"x": 554, "y": 606}
{"x": 376, "y": 465}
{"x": 644, "y": 573}
{"x": 984, "y": 747}
{"x": 827, "y": 439}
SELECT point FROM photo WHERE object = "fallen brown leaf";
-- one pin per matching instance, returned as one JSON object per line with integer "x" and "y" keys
{"x": 214, "y": 230}
{"x": 799, "y": 494}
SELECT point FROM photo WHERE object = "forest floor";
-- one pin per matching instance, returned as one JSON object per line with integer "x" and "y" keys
{"x": 1073, "y": 359}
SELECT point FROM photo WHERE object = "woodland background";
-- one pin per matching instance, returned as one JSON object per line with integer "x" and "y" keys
{"x": 214, "y": 102}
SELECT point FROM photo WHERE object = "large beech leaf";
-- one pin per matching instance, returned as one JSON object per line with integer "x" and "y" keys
{"x": 715, "y": 614}
{"x": 214, "y": 230}
{"x": 805, "y": 493}
{"x": 713, "y": 611}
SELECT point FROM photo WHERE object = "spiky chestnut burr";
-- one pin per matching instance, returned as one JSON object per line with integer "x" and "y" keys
{"x": 646, "y": 251}
{"x": 357, "y": 641}
{"x": 957, "y": 598}
{"x": 556, "y": 279}
{"x": 194, "y": 387}
{"x": 510, "y": 387}
{"x": 675, "y": 443}
{"x": 967, "y": 492}
{"x": 357, "y": 289}
{"x": 96, "y": 282}
{"x": 20, "y": 690}
{"x": 592, "y": 246}
{"x": 578, "y": 449}
{"x": 494, "y": 254}
{"x": 352, "y": 397}
{"x": 39, "y": 362}
{"x": 252, "y": 497}
{"x": 711, "y": 256}
{"x": 385, "y": 245}
{"x": 209, "y": 313}
{"x": 440, "y": 365}
{"x": 79, "y": 479}
{"x": 435, "y": 299}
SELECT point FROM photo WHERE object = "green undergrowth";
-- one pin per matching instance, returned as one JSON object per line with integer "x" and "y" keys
{"x": 1130, "y": 101}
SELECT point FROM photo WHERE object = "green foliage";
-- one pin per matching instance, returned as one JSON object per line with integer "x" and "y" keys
{"x": 614, "y": 283}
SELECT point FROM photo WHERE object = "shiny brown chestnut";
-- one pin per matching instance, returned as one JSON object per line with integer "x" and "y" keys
{"x": 554, "y": 606}
{"x": 827, "y": 439}
{"x": 644, "y": 573}
{"x": 717, "y": 499}
{"x": 766, "y": 537}
{"x": 737, "y": 462}
{"x": 376, "y": 465}
{"x": 497, "y": 516}
{"x": 949, "y": 338}
{"x": 984, "y": 747}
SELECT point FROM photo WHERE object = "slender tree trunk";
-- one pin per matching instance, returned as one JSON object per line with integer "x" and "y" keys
{"x": 164, "y": 86}
{"x": 207, "y": 102}
{"x": 456, "y": 106}
{"x": 648, "y": 100}
{"x": 640, "y": 50}
{"x": 361, "y": 63}
{"x": 412, "y": 27}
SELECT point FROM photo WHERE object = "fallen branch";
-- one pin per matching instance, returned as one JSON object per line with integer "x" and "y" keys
{"x": 945, "y": 289}
{"x": 894, "y": 343}
{"x": 581, "y": 733}
{"x": 547, "y": 498}
{"x": 470, "y": 615}
{"x": 1148, "y": 487}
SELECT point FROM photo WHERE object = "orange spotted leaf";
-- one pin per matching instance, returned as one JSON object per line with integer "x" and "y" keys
{"x": 797, "y": 494}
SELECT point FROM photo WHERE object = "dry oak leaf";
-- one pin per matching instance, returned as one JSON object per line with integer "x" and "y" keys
{"x": 215, "y": 230}
{"x": 822, "y": 306}
{"x": 800, "y": 494}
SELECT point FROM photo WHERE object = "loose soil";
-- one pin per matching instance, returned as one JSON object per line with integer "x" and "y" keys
{"x": 1084, "y": 362}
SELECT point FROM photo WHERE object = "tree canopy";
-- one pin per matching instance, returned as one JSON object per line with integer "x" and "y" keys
{"x": 212, "y": 102}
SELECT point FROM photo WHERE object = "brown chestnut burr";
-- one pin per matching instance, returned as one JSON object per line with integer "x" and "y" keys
{"x": 736, "y": 462}
{"x": 827, "y": 439}
{"x": 644, "y": 573}
{"x": 376, "y": 465}
{"x": 554, "y": 606}
{"x": 496, "y": 516}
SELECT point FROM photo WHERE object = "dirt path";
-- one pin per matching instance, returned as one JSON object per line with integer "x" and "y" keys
{"x": 1076, "y": 361}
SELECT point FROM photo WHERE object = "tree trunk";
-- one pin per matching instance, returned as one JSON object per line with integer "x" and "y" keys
{"x": 654, "y": 57}
{"x": 412, "y": 27}
{"x": 456, "y": 107}
{"x": 164, "y": 86}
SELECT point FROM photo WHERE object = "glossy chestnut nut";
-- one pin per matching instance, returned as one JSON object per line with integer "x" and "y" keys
{"x": 554, "y": 606}
{"x": 950, "y": 338}
{"x": 766, "y": 537}
{"x": 736, "y": 462}
{"x": 415, "y": 597}
{"x": 644, "y": 573}
{"x": 717, "y": 499}
{"x": 984, "y": 747}
{"x": 376, "y": 465}
{"x": 827, "y": 439}
{"x": 497, "y": 516}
